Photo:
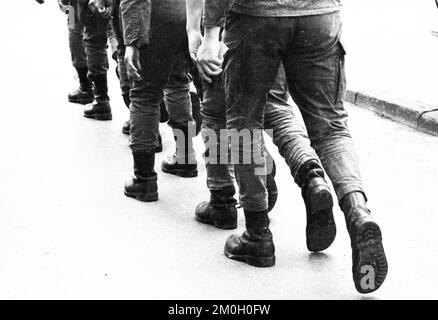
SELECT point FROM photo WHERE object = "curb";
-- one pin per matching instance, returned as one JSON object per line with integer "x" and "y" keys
{"x": 415, "y": 114}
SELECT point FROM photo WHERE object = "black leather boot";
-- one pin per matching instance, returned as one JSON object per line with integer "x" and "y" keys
{"x": 255, "y": 246}
{"x": 271, "y": 185}
{"x": 220, "y": 211}
{"x": 143, "y": 185}
{"x": 184, "y": 170}
{"x": 84, "y": 94}
{"x": 183, "y": 162}
{"x": 100, "y": 109}
{"x": 196, "y": 111}
{"x": 370, "y": 266}
{"x": 126, "y": 129}
{"x": 321, "y": 227}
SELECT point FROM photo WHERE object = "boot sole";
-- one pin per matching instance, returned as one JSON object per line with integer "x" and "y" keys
{"x": 272, "y": 192}
{"x": 223, "y": 225}
{"x": 252, "y": 261}
{"x": 320, "y": 235}
{"x": 100, "y": 117}
{"x": 368, "y": 256}
{"x": 81, "y": 101}
{"x": 150, "y": 197}
{"x": 181, "y": 173}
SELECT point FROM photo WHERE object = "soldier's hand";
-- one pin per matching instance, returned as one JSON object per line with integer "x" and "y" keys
{"x": 209, "y": 59}
{"x": 195, "y": 41}
{"x": 132, "y": 61}
{"x": 102, "y": 8}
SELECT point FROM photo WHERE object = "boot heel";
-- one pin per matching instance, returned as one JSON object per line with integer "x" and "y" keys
{"x": 258, "y": 262}
{"x": 261, "y": 262}
{"x": 181, "y": 173}
{"x": 81, "y": 101}
{"x": 321, "y": 199}
{"x": 369, "y": 256}
{"x": 99, "y": 117}
{"x": 103, "y": 117}
{"x": 321, "y": 227}
{"x": 150, "y": 197}
{"x": 187, "y": 173}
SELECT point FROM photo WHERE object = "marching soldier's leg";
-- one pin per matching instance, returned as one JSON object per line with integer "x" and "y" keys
{"x": 118, "y": 50}
{"x": 96, "y": 45}
{"x": 316, "y": 77}
{"x": 146, "y": 95}
{"x": 84, "y": 94}
{"x": 124, "y": 83}
{"x": 221, "y": 210}
{"x": 156, "y": 59}
{"x": 292, "y": 141}
{"x": 249, "y": 74}
{"x": 178, "y": 100}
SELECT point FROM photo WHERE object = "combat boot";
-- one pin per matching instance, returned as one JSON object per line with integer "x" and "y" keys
{"x": 220, "y": 211}
{"x": 84, "y": 94}
{"x": 126, "y": 129}
{"x": 370, "y": 266}
{"x": 255, "y": 246}
{"x": 271, "y": 185}
{"x": 196, "y": 111}
{"x": 100, "y": 109}
{"x": 321, "y": 227}
{"x": 183, "y": 162}
{"x": 143, "y": 185}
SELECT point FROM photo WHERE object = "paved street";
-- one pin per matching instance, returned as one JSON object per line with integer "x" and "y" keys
{"x": 390, "y": 50}
{"x": 67, "y": 231}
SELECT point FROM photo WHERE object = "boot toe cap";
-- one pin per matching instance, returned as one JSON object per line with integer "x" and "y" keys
{"x": 202, "y": 210}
